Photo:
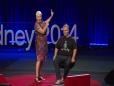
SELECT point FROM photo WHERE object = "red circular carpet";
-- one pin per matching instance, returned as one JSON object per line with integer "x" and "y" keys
{"x": 28, "y": 80}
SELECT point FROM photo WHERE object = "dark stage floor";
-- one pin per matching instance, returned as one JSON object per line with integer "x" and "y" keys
{"x": 97, "y": 62}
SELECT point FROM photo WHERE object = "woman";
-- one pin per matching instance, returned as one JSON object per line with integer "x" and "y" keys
{"x": 41, "y": 43}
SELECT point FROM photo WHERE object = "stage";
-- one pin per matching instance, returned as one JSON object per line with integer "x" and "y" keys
{"x": 20, "y": 67}
{"x": 89, "y": 22}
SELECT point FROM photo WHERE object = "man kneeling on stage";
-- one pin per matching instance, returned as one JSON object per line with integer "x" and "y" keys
{"x": 65, "y": 55}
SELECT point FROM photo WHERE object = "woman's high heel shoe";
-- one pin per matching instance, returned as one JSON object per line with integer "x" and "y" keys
{"x": 37, "y": 79}
{"x": 41, "y": 78}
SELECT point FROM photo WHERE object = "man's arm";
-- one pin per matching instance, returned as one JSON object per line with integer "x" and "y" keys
{"x": 57, "y": 47}
{"x": 74, "y": 56}
{"x": 55, "y": 53}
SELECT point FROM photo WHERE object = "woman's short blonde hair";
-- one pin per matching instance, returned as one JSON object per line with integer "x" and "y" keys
{"x": 38, "y": 13}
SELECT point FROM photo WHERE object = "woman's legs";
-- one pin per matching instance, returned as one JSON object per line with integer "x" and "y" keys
{"x": 37, "y": 71}
{"x": 39, "y": 64}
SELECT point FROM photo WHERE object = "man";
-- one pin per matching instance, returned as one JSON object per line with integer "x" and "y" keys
{"x": 65, "y": 55}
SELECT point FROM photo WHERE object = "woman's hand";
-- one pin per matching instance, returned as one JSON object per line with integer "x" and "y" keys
{"x": 52, "y": 13}
{"x": 48, "y": 20}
